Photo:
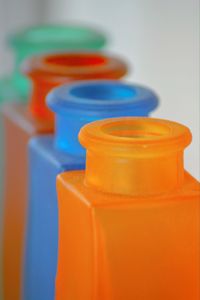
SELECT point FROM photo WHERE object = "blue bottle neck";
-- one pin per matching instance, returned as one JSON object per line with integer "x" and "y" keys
{"x": 66, "y": 134}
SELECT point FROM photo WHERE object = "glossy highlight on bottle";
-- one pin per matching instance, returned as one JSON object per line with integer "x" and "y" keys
{"x": 74, "y": 105}
{"x": 129, "y": 224}
{"x": 21, "y": 122}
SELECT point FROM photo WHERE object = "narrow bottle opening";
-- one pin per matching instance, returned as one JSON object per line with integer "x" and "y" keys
{"x": 137, "y": 130}
{"x": 76, "y": 60}
{"x": 136, "y": 135}
{"x": 104, "y": 91}
{"x": 75, "y": 65}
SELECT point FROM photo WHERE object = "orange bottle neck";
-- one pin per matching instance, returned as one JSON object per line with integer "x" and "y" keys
{"x": 134, "y": 156}
{"x": 134, "y": 176}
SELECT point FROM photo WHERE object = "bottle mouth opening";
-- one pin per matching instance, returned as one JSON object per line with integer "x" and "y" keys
{"x": 135, "y": 136}
{"x": 75, "y": 60}
{"x": 137, "y": 130}
{"x": 103, "y": 91}
{"x": 108, "y": 97}
{"x": 79, "y": 65}
{"x": 67, "y": 35}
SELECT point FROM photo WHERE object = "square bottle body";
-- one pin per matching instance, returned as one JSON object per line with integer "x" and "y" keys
{"x": 19, "y": 127}
{"x": 45, "y": 163}
{"x": 116, "y": 247}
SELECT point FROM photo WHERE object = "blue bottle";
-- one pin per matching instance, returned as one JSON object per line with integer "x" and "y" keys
{"x": 74, "y": 106}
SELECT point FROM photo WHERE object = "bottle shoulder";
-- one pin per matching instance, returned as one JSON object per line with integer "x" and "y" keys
{"x": 42, "y": 149}
{"x": 72, "y": 183}
{"x": 20, "y": 116}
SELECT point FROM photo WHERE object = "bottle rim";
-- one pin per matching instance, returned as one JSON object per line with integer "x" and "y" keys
{"x": 102, "y": 97}
{"x": 76, "y": 64}
{"x": 135, "y": 136}
{"x": 67, "y": 36}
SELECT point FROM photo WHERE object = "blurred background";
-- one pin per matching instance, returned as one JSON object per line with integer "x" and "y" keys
{"x": 159, "y": 38}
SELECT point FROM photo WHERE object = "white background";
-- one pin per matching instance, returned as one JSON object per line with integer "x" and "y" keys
{"x": 160, "y": 39}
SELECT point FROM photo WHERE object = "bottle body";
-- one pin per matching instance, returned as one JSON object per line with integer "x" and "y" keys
{"x": 19, "y": 126}
{"x": 123, "y": 247}
{"x": 49, "y": 157}
{"x": 37, "y": 119}
{"x": 45, "y": 162}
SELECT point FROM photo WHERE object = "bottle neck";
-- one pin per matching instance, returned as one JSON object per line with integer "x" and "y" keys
{"x": 39, "y": 91}
{"x": 135, "y": 156}
{"x": 66, "y": 133}
{"x": 134, "y": 176}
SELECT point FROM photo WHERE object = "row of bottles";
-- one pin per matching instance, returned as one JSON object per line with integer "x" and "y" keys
{"x": 96, "y": 201}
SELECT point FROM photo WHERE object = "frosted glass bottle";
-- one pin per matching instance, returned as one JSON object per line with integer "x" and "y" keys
{"x": 21, "y": 122}
{"x": 74, "y": 106}
{"x": 129, "y": 224}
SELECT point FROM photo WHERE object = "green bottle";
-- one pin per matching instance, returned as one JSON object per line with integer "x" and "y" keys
{"x": 42, "y": 39}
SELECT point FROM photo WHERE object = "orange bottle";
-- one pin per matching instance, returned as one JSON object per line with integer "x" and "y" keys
{"x": 21, "y": 123}
{"x": 129, "y": 224}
